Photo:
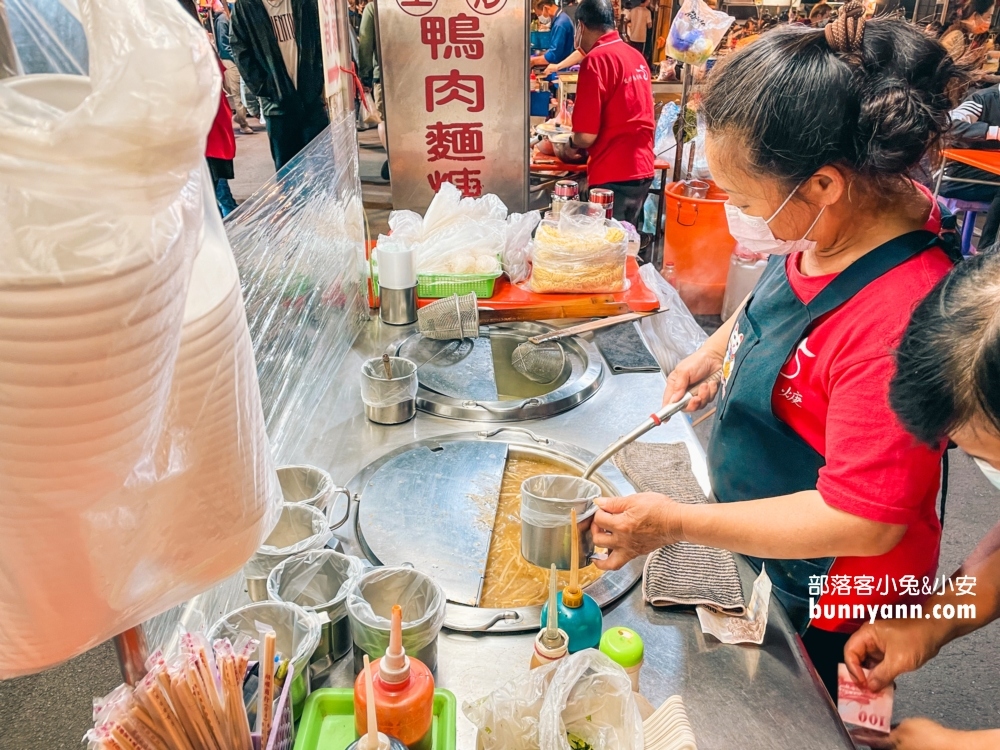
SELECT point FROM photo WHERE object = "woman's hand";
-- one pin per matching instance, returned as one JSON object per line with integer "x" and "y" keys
{"x": 689, "y": 371}
{"x": 631, "y": 526}
{"x": 890, "y": 648}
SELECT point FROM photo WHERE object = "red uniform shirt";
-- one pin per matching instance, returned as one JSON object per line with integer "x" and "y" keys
{"x": 834, "y": 393}
{"x": 614, "y": 99}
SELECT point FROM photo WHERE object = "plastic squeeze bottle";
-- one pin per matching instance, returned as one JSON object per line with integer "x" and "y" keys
{"x": 579, "y": 615}
{"x": 373, "y": 739}
{"x": 551, "y": 642}
{"x": 624, "y": 647}
{"x": 403, "y": 689}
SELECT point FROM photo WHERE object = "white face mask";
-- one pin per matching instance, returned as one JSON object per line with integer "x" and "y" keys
{"x": 991, "y": 472}
{"x": 754, "y": 232}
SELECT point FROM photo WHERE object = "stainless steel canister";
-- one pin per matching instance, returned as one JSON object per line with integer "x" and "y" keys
{"x": 389, "y": 401}
{"x": 398, "y": 307}
{"x": 546, "y": 526}
{"x": 565, "y": 190}
{"x": 308, "y": 485}
{"x": 604, "y": 199}
{"x": 315, "y": 581}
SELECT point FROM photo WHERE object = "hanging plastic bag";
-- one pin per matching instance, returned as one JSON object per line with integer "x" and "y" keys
{"x": 696, "y": 32}
{"x": 516, "y": 254}
{"x": 583, "y": 700}
{"x": 672, "y": 335}
{"x": 135, "y": 470}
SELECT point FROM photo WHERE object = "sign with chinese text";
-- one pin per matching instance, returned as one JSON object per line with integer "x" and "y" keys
{"x": 454, "y": 76}
{"x": 336, "y": 56}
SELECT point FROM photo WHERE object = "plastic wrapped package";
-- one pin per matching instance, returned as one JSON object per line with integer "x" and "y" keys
{"x": 135, "y": 471}
{"x": 696, "y": 32}
{"x": 581, "y": 252}
{"x": 672, "y": 335}
{"x": 299, "y": 245}
{"x": 370, "y": 598}
{"x": 584, "y": 698}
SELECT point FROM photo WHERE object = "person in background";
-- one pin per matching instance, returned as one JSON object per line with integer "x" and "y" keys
{"x": 975, "y": 123}
{"x": 820, "y": 15}
{"x": 560, "y": 36}
{"x": 231, "y": 77}
{"x": 640, "y": 21}
{"x": 947, "y": 385}
{"x": 613, "y": 115}
{"x": 276, "y": 45}
{"x": 569, "y": 8}
{"x": 813, "y": 473}
{"x": 220, "y": 146}
{"x": 370, "y": 72}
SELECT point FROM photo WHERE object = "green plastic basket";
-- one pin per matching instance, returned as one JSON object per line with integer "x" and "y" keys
{"x": 437, "y": 285}
{"x": 328, "y": 720}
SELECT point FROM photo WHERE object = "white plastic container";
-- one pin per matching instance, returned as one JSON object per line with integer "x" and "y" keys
{"x": 745, "y": 268}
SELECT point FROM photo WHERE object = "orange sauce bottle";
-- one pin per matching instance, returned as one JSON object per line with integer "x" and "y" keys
{"x": 403, "y": 690}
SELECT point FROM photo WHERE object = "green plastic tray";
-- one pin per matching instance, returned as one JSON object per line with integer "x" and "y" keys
{"x": 328, "y": 720}
{"x": 435, "y": 286}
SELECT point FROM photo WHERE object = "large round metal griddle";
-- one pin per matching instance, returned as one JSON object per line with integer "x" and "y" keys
{"x": 473, "y": 379}
{"x": 432, "y": 504}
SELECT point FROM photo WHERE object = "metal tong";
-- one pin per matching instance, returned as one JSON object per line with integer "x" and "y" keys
{"x": 655, "y": 420}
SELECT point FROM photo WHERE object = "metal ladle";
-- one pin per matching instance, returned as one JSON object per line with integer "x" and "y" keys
{"x": 654, "y": 420}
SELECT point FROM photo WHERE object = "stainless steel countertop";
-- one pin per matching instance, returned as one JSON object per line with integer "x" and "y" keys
{"x": 736, "y": 696}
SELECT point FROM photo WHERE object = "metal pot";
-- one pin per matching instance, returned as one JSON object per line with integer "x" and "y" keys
{"x": 314, "y": 580}
{"x": 546, "y": 529}
{"x": 308, "y": 485}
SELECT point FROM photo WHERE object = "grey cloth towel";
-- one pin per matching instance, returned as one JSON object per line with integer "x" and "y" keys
{"x": 624, "y": 349}
{"x": 680, "y": 574}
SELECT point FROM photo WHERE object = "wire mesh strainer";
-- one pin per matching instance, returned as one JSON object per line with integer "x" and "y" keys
{"x": 450, "y": 318}
{"x": 541, "y": 363}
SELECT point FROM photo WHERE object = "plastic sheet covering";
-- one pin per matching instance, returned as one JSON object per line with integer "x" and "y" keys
{"x": 47, "y": 36}
{"x": 134, "y": 466}
{"x": 584, "y": 697}
{"x": 371, "y": 596}
{"x": 299, "y": 245}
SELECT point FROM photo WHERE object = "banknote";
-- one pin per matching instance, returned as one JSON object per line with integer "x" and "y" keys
{"x": 750, "y": 627}
{"x": 862, "y": 708}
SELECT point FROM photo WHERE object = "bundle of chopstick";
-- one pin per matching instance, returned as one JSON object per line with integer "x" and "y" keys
{"x": 194, "y": 701}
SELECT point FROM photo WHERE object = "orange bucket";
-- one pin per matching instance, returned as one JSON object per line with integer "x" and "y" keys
{"x": 698, "y": 243}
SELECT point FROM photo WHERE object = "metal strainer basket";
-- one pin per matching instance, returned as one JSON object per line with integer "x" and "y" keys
{"x": 541, "y": 363}
{"x": 450, "y": 318}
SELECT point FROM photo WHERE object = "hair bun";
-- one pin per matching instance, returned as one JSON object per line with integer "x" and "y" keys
{"x": 895, "y": 126}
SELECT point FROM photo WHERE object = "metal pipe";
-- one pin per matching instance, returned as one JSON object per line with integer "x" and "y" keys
{"x": 682, "y": 116}
{"x": 133, "y": 652}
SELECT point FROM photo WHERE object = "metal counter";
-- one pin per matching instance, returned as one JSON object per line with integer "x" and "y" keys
{"x": 736, "y": 696}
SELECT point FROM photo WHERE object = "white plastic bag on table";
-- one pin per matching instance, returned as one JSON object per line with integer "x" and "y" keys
{"x": 696, "y": 32}
{"x": 672, "y": 335}
{"x": 134, "y": 467}
{"x": 580, "y": 252}
{"x": 584, "y": 696}
{"x": 516, "y": 252}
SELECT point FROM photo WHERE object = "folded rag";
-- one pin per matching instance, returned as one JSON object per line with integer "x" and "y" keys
{"x": 680, "y": 574}
{"x": 624, "y": 349}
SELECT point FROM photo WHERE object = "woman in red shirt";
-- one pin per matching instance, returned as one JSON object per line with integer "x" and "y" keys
{"x": 812, "y": 133}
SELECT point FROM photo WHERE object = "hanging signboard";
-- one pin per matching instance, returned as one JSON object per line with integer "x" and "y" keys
{"x": 454, "y": 75}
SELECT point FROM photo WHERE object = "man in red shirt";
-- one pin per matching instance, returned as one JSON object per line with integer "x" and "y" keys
{"x": 613, "y": 114}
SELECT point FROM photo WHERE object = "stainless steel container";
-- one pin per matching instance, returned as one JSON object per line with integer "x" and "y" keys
{"x": 604, "y": 200}
{"x": 297, "y": 631}
{"x": 300, "y": 528}
{"x": 308, "y": 485}
{"x": 389, "y": 401}
{"x": 369, "y": 607}
{"x": 546, "y": 526}
{"x": 398, "y": 307}
{"x": 314, "y": 580}
{"x": 566, "y": 190}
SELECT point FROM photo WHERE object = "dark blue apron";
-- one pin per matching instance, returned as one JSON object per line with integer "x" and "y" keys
{"x": 752, "y": 453}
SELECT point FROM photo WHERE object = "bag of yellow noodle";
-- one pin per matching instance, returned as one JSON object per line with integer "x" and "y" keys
{"x": 578, "y": 252}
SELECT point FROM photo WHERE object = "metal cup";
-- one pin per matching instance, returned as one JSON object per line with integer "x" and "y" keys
{"x": 696, "y": 189}
{"x": 546, "y": 527}
{"x": 389, "y": 401}
{"x": 308, "y": 485}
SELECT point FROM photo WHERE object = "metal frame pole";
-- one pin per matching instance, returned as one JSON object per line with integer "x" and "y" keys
{"x": 682, "y": 116}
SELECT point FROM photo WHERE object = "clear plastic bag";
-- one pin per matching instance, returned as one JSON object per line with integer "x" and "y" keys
{"x": 136, "y": 469}
{"x": 672, "y": 335}
{"x": 378, "y": 391}
{"x": 315, "y": 579}
{"x": 547, "y": 499}
{"x": 581, "y": 252}
{"x": 585, "y": 697}
{"x": 516, "y": 254}
{"x": 370, "y": 598}
{"x": 696, "y": 32}
{"x": 300, "y": 528}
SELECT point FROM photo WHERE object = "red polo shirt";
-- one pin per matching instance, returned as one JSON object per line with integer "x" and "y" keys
{"x": 614, "y": 99}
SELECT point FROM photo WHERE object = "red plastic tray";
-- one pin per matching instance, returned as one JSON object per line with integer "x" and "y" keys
{"x": 507, "y": 296}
